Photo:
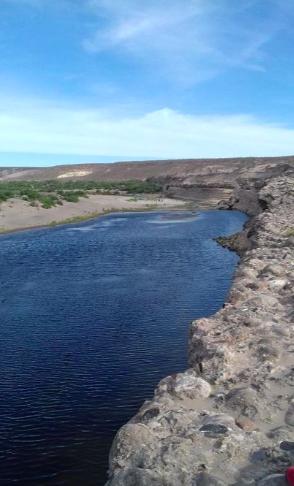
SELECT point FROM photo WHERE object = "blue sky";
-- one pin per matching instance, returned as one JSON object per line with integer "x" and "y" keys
{"x": 103, "y": 80}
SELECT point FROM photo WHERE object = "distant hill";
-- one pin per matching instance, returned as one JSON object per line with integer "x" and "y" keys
{"x": 186, "y": 169}
{"x": 187, "y": 178}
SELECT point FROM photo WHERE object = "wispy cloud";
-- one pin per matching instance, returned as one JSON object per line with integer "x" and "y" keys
{"x": 185, "y": 41}
{"x": 39, "y": 127}
{"x": 189, "y": 39}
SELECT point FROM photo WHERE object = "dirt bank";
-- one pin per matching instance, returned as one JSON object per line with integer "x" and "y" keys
{"x": 16, "y": 214}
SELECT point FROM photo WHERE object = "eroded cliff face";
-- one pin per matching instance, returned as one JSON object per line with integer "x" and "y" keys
{"x": 229, "y": 419}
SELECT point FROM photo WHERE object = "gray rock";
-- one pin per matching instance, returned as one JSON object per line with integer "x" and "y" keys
{"x": 289, "y": 376}
{"x": 243, "y": 400}
{"x": 136, "y": 477}
{"x": 287, "y": 445}
{"x": 205, "y": 479}
{"x": 184, "y": 385}
{"x": 274, "y": 269}
{"x": 289, "y": 417}
{"x": 273, "y": 480}
{"x": 214, "y": 431}
{"x": 219, "y": 419}
{"x": 129, "y": 444}
{"x": 278, "y": 284}
{"x": 267, "y": 351}
{"x": 149, "y": 414}
{"x": 282, "y": 433}
{"x": 289, "y": 242}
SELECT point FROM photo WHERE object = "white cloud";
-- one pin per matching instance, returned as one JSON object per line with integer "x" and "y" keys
{"x": 191, "y": 40}
{"x": 39, "y": 127}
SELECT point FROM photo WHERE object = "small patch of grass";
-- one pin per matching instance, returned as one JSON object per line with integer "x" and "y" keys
{"x": 76, "y": 219}
{"x": 289, "y": 232}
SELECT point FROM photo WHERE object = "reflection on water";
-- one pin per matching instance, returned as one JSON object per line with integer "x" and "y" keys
{"x": 175, "y": 217}
{"x": 92, "y": 316}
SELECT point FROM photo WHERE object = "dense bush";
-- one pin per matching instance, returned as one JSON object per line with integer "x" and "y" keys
{"x": 47, "y": 201}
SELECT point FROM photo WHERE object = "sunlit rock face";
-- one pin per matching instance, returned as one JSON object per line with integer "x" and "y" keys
{"x": 229, "y": 419}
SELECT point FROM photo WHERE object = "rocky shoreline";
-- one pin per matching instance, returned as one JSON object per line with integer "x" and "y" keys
{"x": 228, "y": 420}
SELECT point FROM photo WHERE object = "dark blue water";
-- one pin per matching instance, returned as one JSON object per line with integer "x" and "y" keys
{"x": 92, "y": 317}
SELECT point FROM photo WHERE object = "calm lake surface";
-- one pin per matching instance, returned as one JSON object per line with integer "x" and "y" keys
{"x": 92, "y": 316}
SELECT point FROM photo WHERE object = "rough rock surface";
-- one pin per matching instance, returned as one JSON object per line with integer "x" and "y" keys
{"x": 229, "y": 419}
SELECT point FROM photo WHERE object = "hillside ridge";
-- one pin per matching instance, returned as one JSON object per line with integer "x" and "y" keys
{"x": 145, "y": 169}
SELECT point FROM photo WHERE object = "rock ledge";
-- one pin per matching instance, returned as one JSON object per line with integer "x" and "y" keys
{"x": 229, "y": 419}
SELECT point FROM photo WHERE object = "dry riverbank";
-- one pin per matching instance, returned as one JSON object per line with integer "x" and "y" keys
{"x": 228, "y": 420}
{"x": 18, "y": 214}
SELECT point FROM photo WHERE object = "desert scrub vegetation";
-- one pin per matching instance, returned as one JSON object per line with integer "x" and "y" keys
{"x": 54, "y": 192}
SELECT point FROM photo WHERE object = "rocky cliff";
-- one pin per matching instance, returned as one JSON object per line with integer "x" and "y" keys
{"x": 229, "y": 419}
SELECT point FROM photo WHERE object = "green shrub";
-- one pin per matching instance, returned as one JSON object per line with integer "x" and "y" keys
{"x": 48, "y": 201}
{"x": 71, "y": 196}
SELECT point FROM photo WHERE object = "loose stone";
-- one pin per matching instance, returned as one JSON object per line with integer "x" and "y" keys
{"x": 273, "y": 480}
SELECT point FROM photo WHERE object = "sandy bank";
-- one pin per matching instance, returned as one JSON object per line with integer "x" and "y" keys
{"x": 17, "y": 214}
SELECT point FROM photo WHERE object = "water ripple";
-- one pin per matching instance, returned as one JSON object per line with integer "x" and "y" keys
{"x": 92, "y": 317}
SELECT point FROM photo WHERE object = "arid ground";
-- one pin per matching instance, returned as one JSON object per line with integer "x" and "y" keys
{"x": 18, "y": 214}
